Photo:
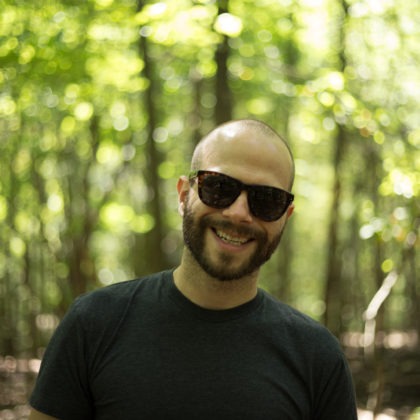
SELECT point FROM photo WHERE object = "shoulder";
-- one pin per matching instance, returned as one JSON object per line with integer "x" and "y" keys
{"x": 299, "y": 328}
{"x": 112, "y": 302}
{"x": 278, "y": 309}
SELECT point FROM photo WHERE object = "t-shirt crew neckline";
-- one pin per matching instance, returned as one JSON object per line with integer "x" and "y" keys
{"x": 211, "y": 315}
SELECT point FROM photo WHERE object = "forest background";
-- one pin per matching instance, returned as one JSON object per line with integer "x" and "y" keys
{"x": 101, "y": 104}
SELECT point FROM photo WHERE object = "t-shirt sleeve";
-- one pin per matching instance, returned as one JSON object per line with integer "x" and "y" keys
{"x": 336, "y": 399}
{"x": 62, "y": 387}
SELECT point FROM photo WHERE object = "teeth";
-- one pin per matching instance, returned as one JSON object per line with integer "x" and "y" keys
{"x": 227, "y": 238}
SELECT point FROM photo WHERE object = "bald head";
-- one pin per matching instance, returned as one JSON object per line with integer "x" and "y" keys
{"x": 247, "y": 139}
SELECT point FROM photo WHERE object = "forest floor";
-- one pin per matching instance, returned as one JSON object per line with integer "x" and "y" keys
{"x": 390, "y": 382}
{"x": 387, "y": 378}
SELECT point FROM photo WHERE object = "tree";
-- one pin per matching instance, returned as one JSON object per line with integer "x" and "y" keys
{"x": 102, "y": 102}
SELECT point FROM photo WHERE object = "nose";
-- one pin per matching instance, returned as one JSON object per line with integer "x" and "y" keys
{"x": 239, "y": 211}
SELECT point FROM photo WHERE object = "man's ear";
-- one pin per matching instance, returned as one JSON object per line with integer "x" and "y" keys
{"x": 182, "y": 186}
{"x": 290, "y": 210}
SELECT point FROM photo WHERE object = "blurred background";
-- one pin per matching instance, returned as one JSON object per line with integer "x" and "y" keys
{"x": 101, "y": 104}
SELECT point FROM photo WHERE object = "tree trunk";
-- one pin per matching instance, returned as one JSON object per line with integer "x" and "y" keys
{"x": 149, "y": 256}
{"x": 82, "y": 272}
{"x": 223, "y": 111}
{"x": 332, "y": 318}
{"x": 195, "y": 119}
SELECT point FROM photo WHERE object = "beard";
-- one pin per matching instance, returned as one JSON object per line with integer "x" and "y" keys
{"x": 222, "y": 266}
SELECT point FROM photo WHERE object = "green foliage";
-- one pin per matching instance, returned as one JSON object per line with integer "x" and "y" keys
{"x": 75, "y": 147}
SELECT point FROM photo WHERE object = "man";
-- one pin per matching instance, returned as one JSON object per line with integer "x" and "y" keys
{"x": 203, "y": 341}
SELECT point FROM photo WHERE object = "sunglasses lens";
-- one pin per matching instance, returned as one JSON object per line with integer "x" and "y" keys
{"x": 268, "y": 203}
{"x": 218, "y": 190}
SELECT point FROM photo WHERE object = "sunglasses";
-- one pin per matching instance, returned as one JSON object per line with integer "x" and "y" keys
{"x": 220, "y": 191}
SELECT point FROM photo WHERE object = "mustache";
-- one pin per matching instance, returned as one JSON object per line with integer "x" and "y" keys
{"x": 241, "y": 230}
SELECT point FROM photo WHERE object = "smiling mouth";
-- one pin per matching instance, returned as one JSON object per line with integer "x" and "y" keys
{"x": 232, "y": 240}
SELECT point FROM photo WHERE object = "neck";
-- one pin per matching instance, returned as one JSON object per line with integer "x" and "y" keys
{"x": 209, "y": 292}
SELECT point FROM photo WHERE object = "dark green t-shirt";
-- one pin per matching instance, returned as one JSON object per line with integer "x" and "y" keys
{"x": 141, "y": 350}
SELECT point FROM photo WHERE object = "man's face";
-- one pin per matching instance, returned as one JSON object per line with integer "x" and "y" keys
{"x": 225, "y": 250}
{"x": 231, "y": 243}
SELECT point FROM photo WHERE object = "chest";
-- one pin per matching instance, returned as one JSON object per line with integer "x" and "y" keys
{"x": 172, "y": 370}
